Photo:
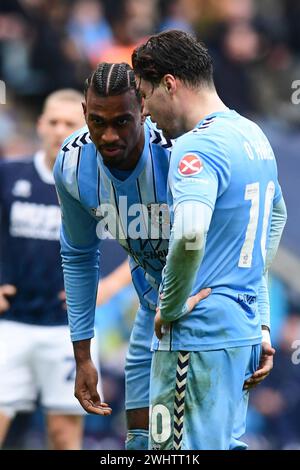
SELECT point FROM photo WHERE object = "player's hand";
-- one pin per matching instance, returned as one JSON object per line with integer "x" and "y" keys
{"x": 7, "y": 290}
{"x": 195, "y": 299}
{"x": 86, "y": 390}
{"x": 265, "y": 367}
{"x": 62, "y": 296}
{"x": 161, "y": 327}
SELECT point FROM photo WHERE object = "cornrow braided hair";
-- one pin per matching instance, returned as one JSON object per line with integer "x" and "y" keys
{"x": 112, "y": 79}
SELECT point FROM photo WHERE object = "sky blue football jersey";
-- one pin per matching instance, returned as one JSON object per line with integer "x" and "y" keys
{"x": 227, "y": 163}
{"x": 86, "y": 188}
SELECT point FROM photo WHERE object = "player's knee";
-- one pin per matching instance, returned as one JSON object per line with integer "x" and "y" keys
{"x": 58, "y": 439}
{"x": 5, "y": 420}
{"x": 137, "y": 439}
{"x": 65, "y": 433}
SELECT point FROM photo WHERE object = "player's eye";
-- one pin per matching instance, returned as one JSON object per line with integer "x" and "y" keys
{"x": 98, "y": 121}
{"x": 122, "y": 122}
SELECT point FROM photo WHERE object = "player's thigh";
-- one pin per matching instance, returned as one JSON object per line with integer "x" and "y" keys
{"x": 55, "y": 371}
{"x": 239, "y": 427}
{"x": 18, "y": 390}
{"x": 194, "y": 397}
{"x": 138, "y": 361}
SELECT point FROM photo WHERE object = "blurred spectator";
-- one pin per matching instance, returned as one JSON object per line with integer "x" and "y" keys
{"x": 235, "y": 10}
{"x": 176, "y": 16}
{"x": 88, "y": 28}
{"x": 235, "y": 49}
{"x": 292, "y": 14}
{"x": 278, "y": 398}
{"x": 131, "y": 23}
{"x": 37, "y": 56}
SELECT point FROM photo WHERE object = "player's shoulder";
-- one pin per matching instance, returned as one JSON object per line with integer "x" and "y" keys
{"x": 217, "y": 132}
{"x": 14, "y": 166}
{"x": 72, "y": 149}
{"x": 208, "y": 137}
{"x": 156, "y": 136}
{"x": 77, "y": 140}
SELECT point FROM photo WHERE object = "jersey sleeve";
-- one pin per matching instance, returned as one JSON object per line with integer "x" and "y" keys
{"x": 278, "y": 221}
{"x": 278, "y": 193}
{"x": 80, "y": 259}
{"x": 264, "y": 302}
{"x": 199, "y": 169}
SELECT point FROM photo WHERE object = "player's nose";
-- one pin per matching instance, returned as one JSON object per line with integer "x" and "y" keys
{"x": 62, "y": 132}
{"x": 110, "y": 135}
{"x": 146, "y": 111}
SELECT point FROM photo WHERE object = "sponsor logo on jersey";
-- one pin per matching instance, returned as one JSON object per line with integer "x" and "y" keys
{"x": 190, "y": 165}
{"x": 247, "y": 299}
{"x": 37, "y": 221}
{"x": 159, "y": 214}
{"x": 22, "y": 188}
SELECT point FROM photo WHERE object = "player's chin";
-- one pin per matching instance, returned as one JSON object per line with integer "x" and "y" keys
{"x": 113, "y": 161}
{"x": 169, "y": 133}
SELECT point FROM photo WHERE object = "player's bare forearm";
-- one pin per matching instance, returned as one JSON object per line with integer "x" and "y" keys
{"x": 87, "y": 379}
{"x": 82, "y": 350}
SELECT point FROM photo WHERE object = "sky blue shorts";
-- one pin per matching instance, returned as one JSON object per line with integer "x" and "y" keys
{"x": 138, "y": 361}
{"x": 197, "y": 398}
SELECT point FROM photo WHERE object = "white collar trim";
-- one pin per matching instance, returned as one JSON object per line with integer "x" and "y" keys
{"x": 40, "y": 165}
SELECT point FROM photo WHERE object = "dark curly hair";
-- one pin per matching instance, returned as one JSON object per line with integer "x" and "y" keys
{"x": 176, "y": 53}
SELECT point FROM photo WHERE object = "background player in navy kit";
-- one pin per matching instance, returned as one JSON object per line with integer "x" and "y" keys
{"x": 225, "y": 197}
{"x": 36, "y": 353}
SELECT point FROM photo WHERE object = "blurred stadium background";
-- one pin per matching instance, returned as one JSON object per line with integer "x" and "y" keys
{"x": 50, "y": 44}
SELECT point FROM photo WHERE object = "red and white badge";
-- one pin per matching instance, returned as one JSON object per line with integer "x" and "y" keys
{"x": 190, "y": 165}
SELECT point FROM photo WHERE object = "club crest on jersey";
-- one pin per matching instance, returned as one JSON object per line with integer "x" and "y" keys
{"x": 190, "y": 165}
{"x": 159, "y": 214}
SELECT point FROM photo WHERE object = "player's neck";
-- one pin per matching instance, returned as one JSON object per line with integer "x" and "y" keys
{"x": 201, "y": 104}
{"x": 49, "y": 162}
{"x": 135, "y": 155}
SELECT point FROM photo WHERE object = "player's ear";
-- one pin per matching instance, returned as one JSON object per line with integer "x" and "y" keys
{"x": 143, "y": 117}
{"x": 40, "y": 125}
{"x": 169, "y": 83}
{"x": 84, "y": 109}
